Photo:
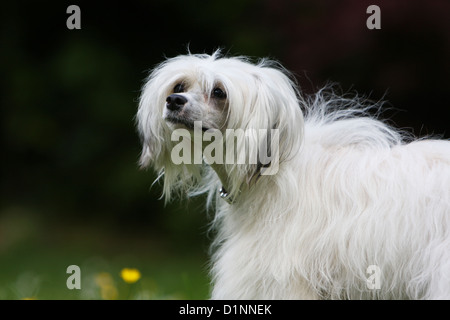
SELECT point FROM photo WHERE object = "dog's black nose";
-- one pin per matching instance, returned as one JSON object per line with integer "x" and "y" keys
{"x": 175, "y": 102}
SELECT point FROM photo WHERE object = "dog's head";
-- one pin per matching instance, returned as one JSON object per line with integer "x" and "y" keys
{"x": 217, "y": 93}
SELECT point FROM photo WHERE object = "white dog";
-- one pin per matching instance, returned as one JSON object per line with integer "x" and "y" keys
{"x": 350, "y": 211}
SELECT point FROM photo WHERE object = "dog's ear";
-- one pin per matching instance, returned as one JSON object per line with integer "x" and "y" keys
{"x": 271, "y": 114}
{"x": 153, "y": 131}
{"x": 268, "y": 155}
{"x": 155, "y": 134}
{"x": 284, "y": 115}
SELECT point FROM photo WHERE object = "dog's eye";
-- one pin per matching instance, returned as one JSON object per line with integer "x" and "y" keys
{"x": 178, "y": 88}
{"x": 218, "y": 93}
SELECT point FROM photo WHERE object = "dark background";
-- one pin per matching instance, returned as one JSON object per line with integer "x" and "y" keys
{"x": 69, "y": 147}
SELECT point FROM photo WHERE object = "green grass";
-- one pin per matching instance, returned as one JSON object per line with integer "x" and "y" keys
{"x": 35, "y": 265}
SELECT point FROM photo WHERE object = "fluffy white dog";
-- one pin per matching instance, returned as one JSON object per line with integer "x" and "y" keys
{"x": 341, "y": 206}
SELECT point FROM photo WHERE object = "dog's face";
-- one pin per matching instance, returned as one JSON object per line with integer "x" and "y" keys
{"x": 222, "y": 94}
{"x": 190, "y": 100}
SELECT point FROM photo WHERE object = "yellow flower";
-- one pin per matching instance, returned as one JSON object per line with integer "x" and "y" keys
{"x": 130, "y": 275}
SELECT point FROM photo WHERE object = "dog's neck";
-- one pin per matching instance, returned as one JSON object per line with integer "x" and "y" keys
{"x": 223, "y": 176}
{"x": 221, "y": 173}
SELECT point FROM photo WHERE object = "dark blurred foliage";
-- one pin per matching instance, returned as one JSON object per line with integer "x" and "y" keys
{"x": 68, "y": 97}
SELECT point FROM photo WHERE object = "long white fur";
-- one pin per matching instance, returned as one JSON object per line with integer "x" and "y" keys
{"x": 350, "y": 191}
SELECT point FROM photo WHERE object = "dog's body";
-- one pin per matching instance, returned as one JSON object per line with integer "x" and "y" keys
{"x": 352, "y": 211}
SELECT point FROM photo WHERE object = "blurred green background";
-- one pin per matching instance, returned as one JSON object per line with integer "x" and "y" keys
{"x": 71, "y": 191}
